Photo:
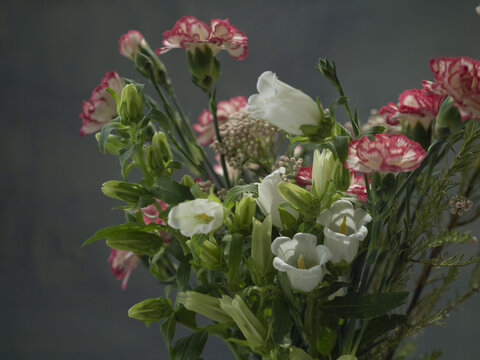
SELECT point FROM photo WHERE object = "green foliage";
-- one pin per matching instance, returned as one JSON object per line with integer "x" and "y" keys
{"x": 235, "y": 192}
{"x": 364, "y": 306}
{"x": 190, "y": 347}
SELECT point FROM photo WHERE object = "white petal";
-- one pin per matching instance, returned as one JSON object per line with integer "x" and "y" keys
{"x": 305, "y": 280}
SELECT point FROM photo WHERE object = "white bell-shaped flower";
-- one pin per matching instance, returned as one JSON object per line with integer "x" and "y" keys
{"x": 302, "y": 259}
{"x": 269, "y": 198}
{"x": 344, "y": 228}
{"x": 199, "y": 216}
{"x": 282, "y": 105}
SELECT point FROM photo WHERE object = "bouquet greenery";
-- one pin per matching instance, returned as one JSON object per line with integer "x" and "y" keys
{"x": 302, "y": 241}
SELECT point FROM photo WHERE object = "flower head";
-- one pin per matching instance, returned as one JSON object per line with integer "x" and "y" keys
{"x": 458, "y": 78}
{"x": 101, "y": 108}
{"x": 269, "y": 198}
{"x": 357, "y": 186}
{"x": 387, "y": 153}
{"x": 304, "y": 176}
{"x": 190, "y": 33}
{"x": 122, "y": 263}
{"x": 344, "y": 228}
{"x": 302, "y": 259}
{"x": 131, "y": 43}
{"x": 199, "y": 216}
{"x": 414, "y": 106}
{"x": 282, "y": 105}
{"x": 205, "y": 126}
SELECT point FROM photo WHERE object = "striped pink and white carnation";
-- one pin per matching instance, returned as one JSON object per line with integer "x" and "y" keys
{"x": 101, "y": 108}
{"x": 190, "y": 33}
{"x": 357, "y": 186}
{"x": 458, "y": 78}
{"x": 131, "y": 43}
{"x": 205, "y": 126}
{"x": 386, "y": 154}
{"x": 414, "y": 106}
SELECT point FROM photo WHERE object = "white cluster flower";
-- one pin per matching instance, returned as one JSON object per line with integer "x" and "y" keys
{"x": 245, "y": 141}
{"x": 460, "y": 204}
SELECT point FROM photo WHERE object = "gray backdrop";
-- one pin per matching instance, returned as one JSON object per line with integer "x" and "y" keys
{"x": 59, "y": 301}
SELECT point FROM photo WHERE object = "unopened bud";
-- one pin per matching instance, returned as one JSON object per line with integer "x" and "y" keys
{"x": 301, "y": 199}
{"x": 122, "y": 190}
{"x": 244, "y": 212}
{"x": 130, "y": 107}
{"x": 205, "y": 305}
{"x": 150, "y": 310}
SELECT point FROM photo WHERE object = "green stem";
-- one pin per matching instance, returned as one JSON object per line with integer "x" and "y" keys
{"x": 187, "y": 125}
{"x": 213, "y": 109}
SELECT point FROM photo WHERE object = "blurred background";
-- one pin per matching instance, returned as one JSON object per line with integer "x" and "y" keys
{"x": 60, "y": 301}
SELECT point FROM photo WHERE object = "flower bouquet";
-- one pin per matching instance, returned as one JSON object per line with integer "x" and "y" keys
{"x": 302, "y": 240}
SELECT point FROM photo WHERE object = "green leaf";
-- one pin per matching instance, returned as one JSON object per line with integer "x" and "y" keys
{"x": 341, "y": 147}
{"x": 235, "y": 254}
{"x": 168, "y": 332}
{"x": 381, "y": 325}
{"x": 364, "y": 306}
{"x": 190, "y": 347}
{"x": 130, "y": 226}
{"x": 106, "y": 130}
{"x": 170, "y": 191}
{"x": 453, "y": 237}
{"x": 139, "y": 242}
{"x": 235, "y": 192}
{"x": 183, "y": 276}
{"x": 281, "y": 323}
{"x": 150, "y": 310}
{"x": 377, "y": 129}
{"x": 126, "y": 153}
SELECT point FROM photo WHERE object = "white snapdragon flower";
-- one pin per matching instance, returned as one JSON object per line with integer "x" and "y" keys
{"x": 282, "y": 105}
{"x": 302, "y": 259}
{"x": 344, "y": 229}
{"x": 269, "y": 198}
{"x": 199, "y": 216}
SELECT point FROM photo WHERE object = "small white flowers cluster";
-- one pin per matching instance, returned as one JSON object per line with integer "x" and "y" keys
{"x": 460, "y": 204}
{"x": 245, "y": 140}
{"x": 292, "y": 166}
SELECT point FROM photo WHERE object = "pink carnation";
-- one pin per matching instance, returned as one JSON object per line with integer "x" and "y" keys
{"x": 304, "y": 177}
{"x": 415, "y": 105}
{"x": 131, "y": 43}
{"x": 460, "y": 79}
{"x": 205, "y": 126}
{"x": 189, "y": 33}
{"x": 101, "y": 108}
{"x": 387, "y": 153}
{"x": 150, "y": 215}
{"x": 122, "y": 263}
{"x": 357, "y": 186}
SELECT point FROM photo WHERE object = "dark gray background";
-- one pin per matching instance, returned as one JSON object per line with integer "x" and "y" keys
{"x": 59, "y": 301}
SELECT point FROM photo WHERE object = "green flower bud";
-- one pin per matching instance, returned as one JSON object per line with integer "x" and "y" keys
{"x": 204, "y": 67}
{"x": 206, "y": 253}
{"x": 150, "y": 310}
{"x": 301, "y": 199}
{"x": 113, "y": 144}
{"x": 139, "y": 242}
{"x": 244, "y": 212}
{"x": 448, "y": 120}
{"x": 260, "y": 262}
{"x": 122, "y": 190}
{"x": 323, "y": 170}
{"x": 150, "y": 66}
{"x": 254, "y": 331}
{"x": 205, "y": 305}
{"x": 187, "y": 180}
{"x": 159, "y": 153}
{"x": 130, "y": 107}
